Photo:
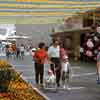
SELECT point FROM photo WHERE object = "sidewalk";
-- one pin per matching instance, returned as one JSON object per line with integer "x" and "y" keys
{"x": 82, "y": 85}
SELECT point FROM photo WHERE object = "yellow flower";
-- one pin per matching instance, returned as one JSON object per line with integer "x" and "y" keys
{"x": 4, "y": 64}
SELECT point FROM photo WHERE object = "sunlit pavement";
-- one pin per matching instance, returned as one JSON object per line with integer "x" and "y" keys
{"x": 82, "y": 84}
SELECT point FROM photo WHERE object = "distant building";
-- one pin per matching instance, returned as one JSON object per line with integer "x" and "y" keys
{"x": 7, "y": 30}
{"x": 37, "y": 33}
{"x": 76, "y": 25}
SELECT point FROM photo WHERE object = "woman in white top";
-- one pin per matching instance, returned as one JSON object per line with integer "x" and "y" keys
{"x": 54, "y": 56}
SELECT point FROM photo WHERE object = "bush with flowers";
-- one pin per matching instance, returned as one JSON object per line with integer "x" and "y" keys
{"x": 7, "y": 74}
{"x": 13, "y": 87}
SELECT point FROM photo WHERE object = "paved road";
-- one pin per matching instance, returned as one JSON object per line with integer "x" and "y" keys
{"x": 82, "y": 85}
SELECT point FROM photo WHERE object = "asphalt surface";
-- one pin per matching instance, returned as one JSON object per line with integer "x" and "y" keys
{"x": 82, "y": 85}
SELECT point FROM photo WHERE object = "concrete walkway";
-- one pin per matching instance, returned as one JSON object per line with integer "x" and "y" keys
{"x": 82, "y": 85}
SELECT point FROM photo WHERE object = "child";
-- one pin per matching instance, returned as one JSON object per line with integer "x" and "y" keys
{"x": 65, "y": 71}
{"x": 50, "y": 80}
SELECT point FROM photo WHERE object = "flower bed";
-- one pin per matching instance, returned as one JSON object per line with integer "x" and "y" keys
{"x": 16, "y": 87}
{"x": 21, "y": 95}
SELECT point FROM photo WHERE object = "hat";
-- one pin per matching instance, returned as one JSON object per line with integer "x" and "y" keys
{"x": 65, "y": 57}
{"x": 50, "y": 71}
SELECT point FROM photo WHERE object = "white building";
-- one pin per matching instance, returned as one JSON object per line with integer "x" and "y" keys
{"x": 7, "y": 30}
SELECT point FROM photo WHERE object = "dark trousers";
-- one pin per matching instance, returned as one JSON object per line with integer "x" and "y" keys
{"x": 56, "y": 65}
{"x": 82, "y": 56}
{"x": 65, "y": 77}
{"x": 22, "y": 55}
{"x": 18, "y": 55}
{"x": 39, "y": 72}
{"x": 8, "y": 55}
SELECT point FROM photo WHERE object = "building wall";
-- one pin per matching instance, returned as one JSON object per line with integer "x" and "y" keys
{"x": 74, "y": 22}
{"x": 70, "y": 39}
{"x": 38, "y": 33}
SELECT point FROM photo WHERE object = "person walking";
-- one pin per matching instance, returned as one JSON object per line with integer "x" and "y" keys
{"x": 10, "y": 51}
{"x": 18, "y": 52}
{"x": 54, "y": 58}
{"x": 63, "y": 51}
{"x": 22, "y": 50}
{"x": 65, "y": 71}
{"x": 39, "y": 58}
{"x": 98, "y": 66}
{"x": 14, "y": 50}
{"x": 7, "y": 52}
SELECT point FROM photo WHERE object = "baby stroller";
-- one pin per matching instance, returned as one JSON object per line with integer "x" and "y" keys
{"x": 50, "y": 81}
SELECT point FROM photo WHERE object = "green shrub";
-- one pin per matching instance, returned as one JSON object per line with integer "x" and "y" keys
{"x": 7, "y": 73}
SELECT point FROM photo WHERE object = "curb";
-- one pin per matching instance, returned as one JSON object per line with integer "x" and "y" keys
{"x": 38, "y": 91}
{"x": 42, "y": 94}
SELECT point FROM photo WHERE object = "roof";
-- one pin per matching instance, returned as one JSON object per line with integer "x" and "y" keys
{"x": 72, "y": 31}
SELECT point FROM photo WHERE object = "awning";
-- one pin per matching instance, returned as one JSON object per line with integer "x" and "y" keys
{"x": 18, "y": 37}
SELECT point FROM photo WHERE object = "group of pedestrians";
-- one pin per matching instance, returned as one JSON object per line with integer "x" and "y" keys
{"x": 56, "y": 57}
{"x": 14, "y": 52}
